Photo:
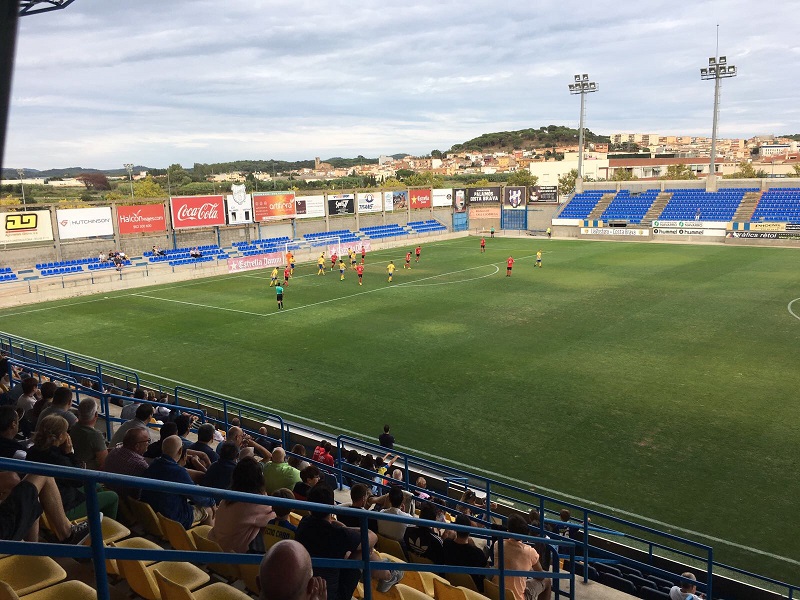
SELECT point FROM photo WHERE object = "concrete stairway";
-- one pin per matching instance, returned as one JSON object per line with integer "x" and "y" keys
{"x": 601, "y": 206}
{"x": 747, "y": 206}
{"x": 656, "y": 208}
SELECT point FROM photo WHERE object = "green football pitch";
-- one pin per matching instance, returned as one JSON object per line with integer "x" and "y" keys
{"x": 658, "y": 379}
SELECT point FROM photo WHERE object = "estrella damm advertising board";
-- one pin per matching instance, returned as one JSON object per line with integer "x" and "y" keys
{"x": 29, "y": 226}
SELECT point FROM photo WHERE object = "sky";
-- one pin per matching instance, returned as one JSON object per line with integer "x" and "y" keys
{"x": 159, "y": 82}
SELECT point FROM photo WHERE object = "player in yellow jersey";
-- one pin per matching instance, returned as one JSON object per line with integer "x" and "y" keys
{"x": 539, "y": 258}
{"x": 321, "y": 264}
{"x": 390, "y": 269}
{"x": 290, "y": 262}
{"x": 342, "y": 268}
{"x": 273, "y": 278}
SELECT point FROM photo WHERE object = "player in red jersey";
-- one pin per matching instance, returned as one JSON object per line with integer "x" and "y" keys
{"x": 418, "y": 251}
{"x": 287, "y": 272}
{"x": 509, "y": 264}
{"x": 334, "y": 258}
{"x": 360, "y": 271}
{"x": 483, "y": 245}
{"x": 408, "y": 260}
{"x": 363, "y": 254}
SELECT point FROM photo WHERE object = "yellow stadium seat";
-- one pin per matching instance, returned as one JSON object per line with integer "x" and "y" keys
{"x": 146, "y": 516}
{"x": 409, "y": 593}
{"x": 295, "y": 519}
{"x": 390, "y": 546}
{"x": 249, "y": 576}
{"x": 492, "y": 591}
{"x": 274, "y": 534}
{"x": 171, "y": 590}
{"x": 142, "y": 581}
{"x": 28, "y": 574}
{"x": 67, "y": 590}
{"x": 226, "y": 570}
{"x": 392, "y": 594}
{"x": 178, "y": 537}
{"x": 445, "y": 591}
{"x": 112, "y": 568}
{"x": 461, "y": 580}
{"x": 473, "y": 595}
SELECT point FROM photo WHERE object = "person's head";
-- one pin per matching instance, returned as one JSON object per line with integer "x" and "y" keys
{"x": 205, "y": 433}
{"x": 29, "y": 385}
{"x": 9, "y": 422}
{"x": 396, "y": 496}
{"x": 248, "y": 477}
{"x": 172, "y": 446}
{"x": 139, "y": 394}
{"x": 48, "y": 388}
{"x": 283, "y": 511}
{"x": 367, "y": 462}
{"x": 52, "y": 431}
{"x": 136, "y": 439}
{"x": 263, "y": 431}
{"x": 517, "y": 524}
{"x": 62, "y": 397}
{"x": 328, "y": 447}
{"x": 688, "y": 586}
{"x": 310, "y": 475}
{"x": 397, "y": 474}
{"x": 358, "y": 494}
{"x": 427, "y": 512}
{"x": 385, "y": 429}
{"x": 87, "y": 411}
{"x": 565, "y": 515}
{"x": 278, "y": 455}
{"x": 235, "y": 435}
{"x": 463, "y": 520}
{"x": 184, "y": 422}
{"x": 533, "y": 516}
{"x": 144, "y": 412}
{"x": 168, "y": 429}
{"x": 421, "y": 483}
{"x": 287, "y": 568}
{"x": 228, "y": 451}
{"x": 321, "y": 493}
{"x": 236, "y": 422}
{"x": 353, "y": 457}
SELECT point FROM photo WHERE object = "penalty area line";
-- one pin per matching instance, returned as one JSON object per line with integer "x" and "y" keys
{"x": 791, "y": 312}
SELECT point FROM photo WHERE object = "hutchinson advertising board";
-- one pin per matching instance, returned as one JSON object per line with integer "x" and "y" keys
{"x": 197, "y": 211}
{"x": 309, "y": 207}
{"x": 31, "y": 226}
{"x": 274, "y": 206}
{"x": 84, "y": 222}
{"x": 369, "y": 202}
{"x": 443, "y": 198}
{"x": 141, "y": 218}
{"x": 484, "y": 195}
{"x": 514, "y": 197}
{"x": 420, "y": 198}
{"x": 341, "y": 204}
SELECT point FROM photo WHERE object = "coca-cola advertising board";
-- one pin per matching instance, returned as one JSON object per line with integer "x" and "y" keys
{"x": 141, "y": 218}
{"x": 197, "y": 211}
{"x": 274, "y": 206}
{"x": 419, "y": 198}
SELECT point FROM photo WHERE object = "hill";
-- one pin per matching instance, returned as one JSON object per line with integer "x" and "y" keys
{"x": 523, "y": 139}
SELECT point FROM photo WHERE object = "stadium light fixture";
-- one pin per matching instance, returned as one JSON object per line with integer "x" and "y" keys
{"x": 718, "y": 68}
{"x": 129, "y": 168}
{"x": 21, "y": 173}
{"x": 582, "y": 86}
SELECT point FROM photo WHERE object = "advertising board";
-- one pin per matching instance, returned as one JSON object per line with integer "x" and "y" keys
{"x": 309, "y": 207}
{"x": 197, "y": 211}
{"x": 29, "y": 226}
{"x": 76, "y": 223}
{"x": 274, "y": 206}
{"x": 141, "y": 218}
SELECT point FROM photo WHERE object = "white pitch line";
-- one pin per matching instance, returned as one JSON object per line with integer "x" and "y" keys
{"x": 492, "y": 474}
{"x": 245, "y": 312}
{"x": 794, "y": 314}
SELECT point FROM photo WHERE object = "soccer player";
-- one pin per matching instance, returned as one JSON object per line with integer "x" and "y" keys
{"x": 363, "y": 254}
{"x": 549, "y": 233}
{"x": 287, "y": 272}
{"x": 321, "y": 264}
{"x": 334, "y": 258}
{"x": 360, "y": 271}
{"x": 290, "y": 261}
{"x": 273, "y": 278}
{"x": 509, "y": 264}
{"x": 342, "y": 268}
{"x": 483, "y": 245}
{"x": 418, "y": 251}
{"x": 279, "y": 296}
{"x": 408, "y": 260}
{"x": 353, "y": 260}
{"x": 491, "y": 232}
{"x": 390, "y": 269}
{"x": 539, "y": 258}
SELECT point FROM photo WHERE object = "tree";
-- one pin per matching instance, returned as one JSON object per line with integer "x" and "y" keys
{"x": 796, "y": 169}
{"x": 94, "y": 181}
{"x": 679, "y": 172}
{"x": 424, "y": 179}
{"x": 392, "y": 182}
{"x": 623, "y": 175}
{"x": 746, "y": 170}
{"x": 523, "y": 177}
{"x": 147, "y": 188}
{"x": 566, "y": 183}
{"x": 178, "y": 176}
{"x": 480, "y": 183}
{"x": 436, "y": 154}
{"x": 403, "y": 173}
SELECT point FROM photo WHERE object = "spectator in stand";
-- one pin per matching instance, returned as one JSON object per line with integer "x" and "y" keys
{"x": 280, "y": 474}
{"x": 170, "y": 467}
{"x": 88, "y": 443}
{"x": 422, "y": 540}
{"x": 128, "y": 459}
{"x": 393, "y": 529}
{"x": 422, "y": 485}
{"x": 287, "y": 566}
{"x": 297, "y": 461}
{"x": 62, "y": 401}
{"x": 322, "y": 453}
{"x": 30, "y": 394}
{"x": 263, "y": 439}
{"x": 219, "y": 474}
{"x": 462, "y": 551}
{"x": 242, "y": 440}
{"x": 237, "y": 525}
{"x": 10, "y": 447}
{"x": 195, "y": 253}
{"x": 158, "y": 251}
{"x": 129, "y": 410}
{"x": 687, "y": 589}
{"x": 53, "y": 445}
{"x": 205, "y": 434}
{"x": 282, "y": 512}
{"x": 309, "y": 477}
{"x": 22, "y": 503}
{"x": 351, "y": 466}
{"x": 154, "y": 449}
{"x": 368, "y": 464}
{"x": 518, "y": 556}
{"x": 47, "y": 389}
{"x": 386, "y": 439}
{"x": 144, "y": 412}
{"x": 359, "y": 498}
{"x": 324, "y": 537}
{"x": 184, "y": 423}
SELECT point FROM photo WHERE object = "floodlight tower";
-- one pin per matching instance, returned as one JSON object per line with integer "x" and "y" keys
{"x": 129, "y": 168}
{"x": 21, "y": 173}
{"x": 582, "y": 86}
{"x": 718, "y": 68}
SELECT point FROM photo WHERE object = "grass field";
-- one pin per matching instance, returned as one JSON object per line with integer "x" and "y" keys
{"x": 657, "y": 379}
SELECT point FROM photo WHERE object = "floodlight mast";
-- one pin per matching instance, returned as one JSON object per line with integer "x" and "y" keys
{"x": 582, "y": 86}
{"x": 32, "y": 7}
{"x": 718, "y": 68}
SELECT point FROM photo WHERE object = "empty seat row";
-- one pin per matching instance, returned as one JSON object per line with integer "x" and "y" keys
{"x": 61, "y": 270}
{"x": 8, "y": 277}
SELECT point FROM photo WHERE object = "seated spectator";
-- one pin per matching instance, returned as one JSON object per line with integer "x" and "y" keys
{"x": 205, "y": 434}
{"x": 10, "y": 446}
{"x": 280, "y": 474}
{"x": 144, "y": 412}
{"x": 324, "y": 537}
{"x": 309, "y": 477}
{"x": 297, "y": 461}
{"x": 237, "y": 525}
{"x": 23, "y": 502}
{"x": 103, "y": 257}
{"x": 282, "y": 512}
{"x": 53, "y": 445}
{"x": 47, "y": 389}
{"x": 367, "y": 466}
{"x": 158, "y": 251}
{"x": 195, "y": 253}
{"x": 129, "y": 410}
{"x": 263, "y": 439}
{"x": 462, "y": 551}
{"x": 359, "y": 498}
{"x": 184, "y": 423}
{"x": 30, "y": 394}
{"x": 170, "y": 467}
{"x": 422, "y": 540}
{"x": 351, "y": 466}
{"x": 219, "y": 474}
{"x": 521, "y": 557}
{"x": 88, "y": 443}
{"x": 422, "y": 485}
{"x": 128, "y": 459}
{"x": 393, "y": 529}
{"x": 154, "y": 449}
{"x": 687, "y": 589}
{"x": 322, "y": 453}
{"x": 242, "y": 440}
{"x": 62, "y": 402}
{"x": 287, "y": 566}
